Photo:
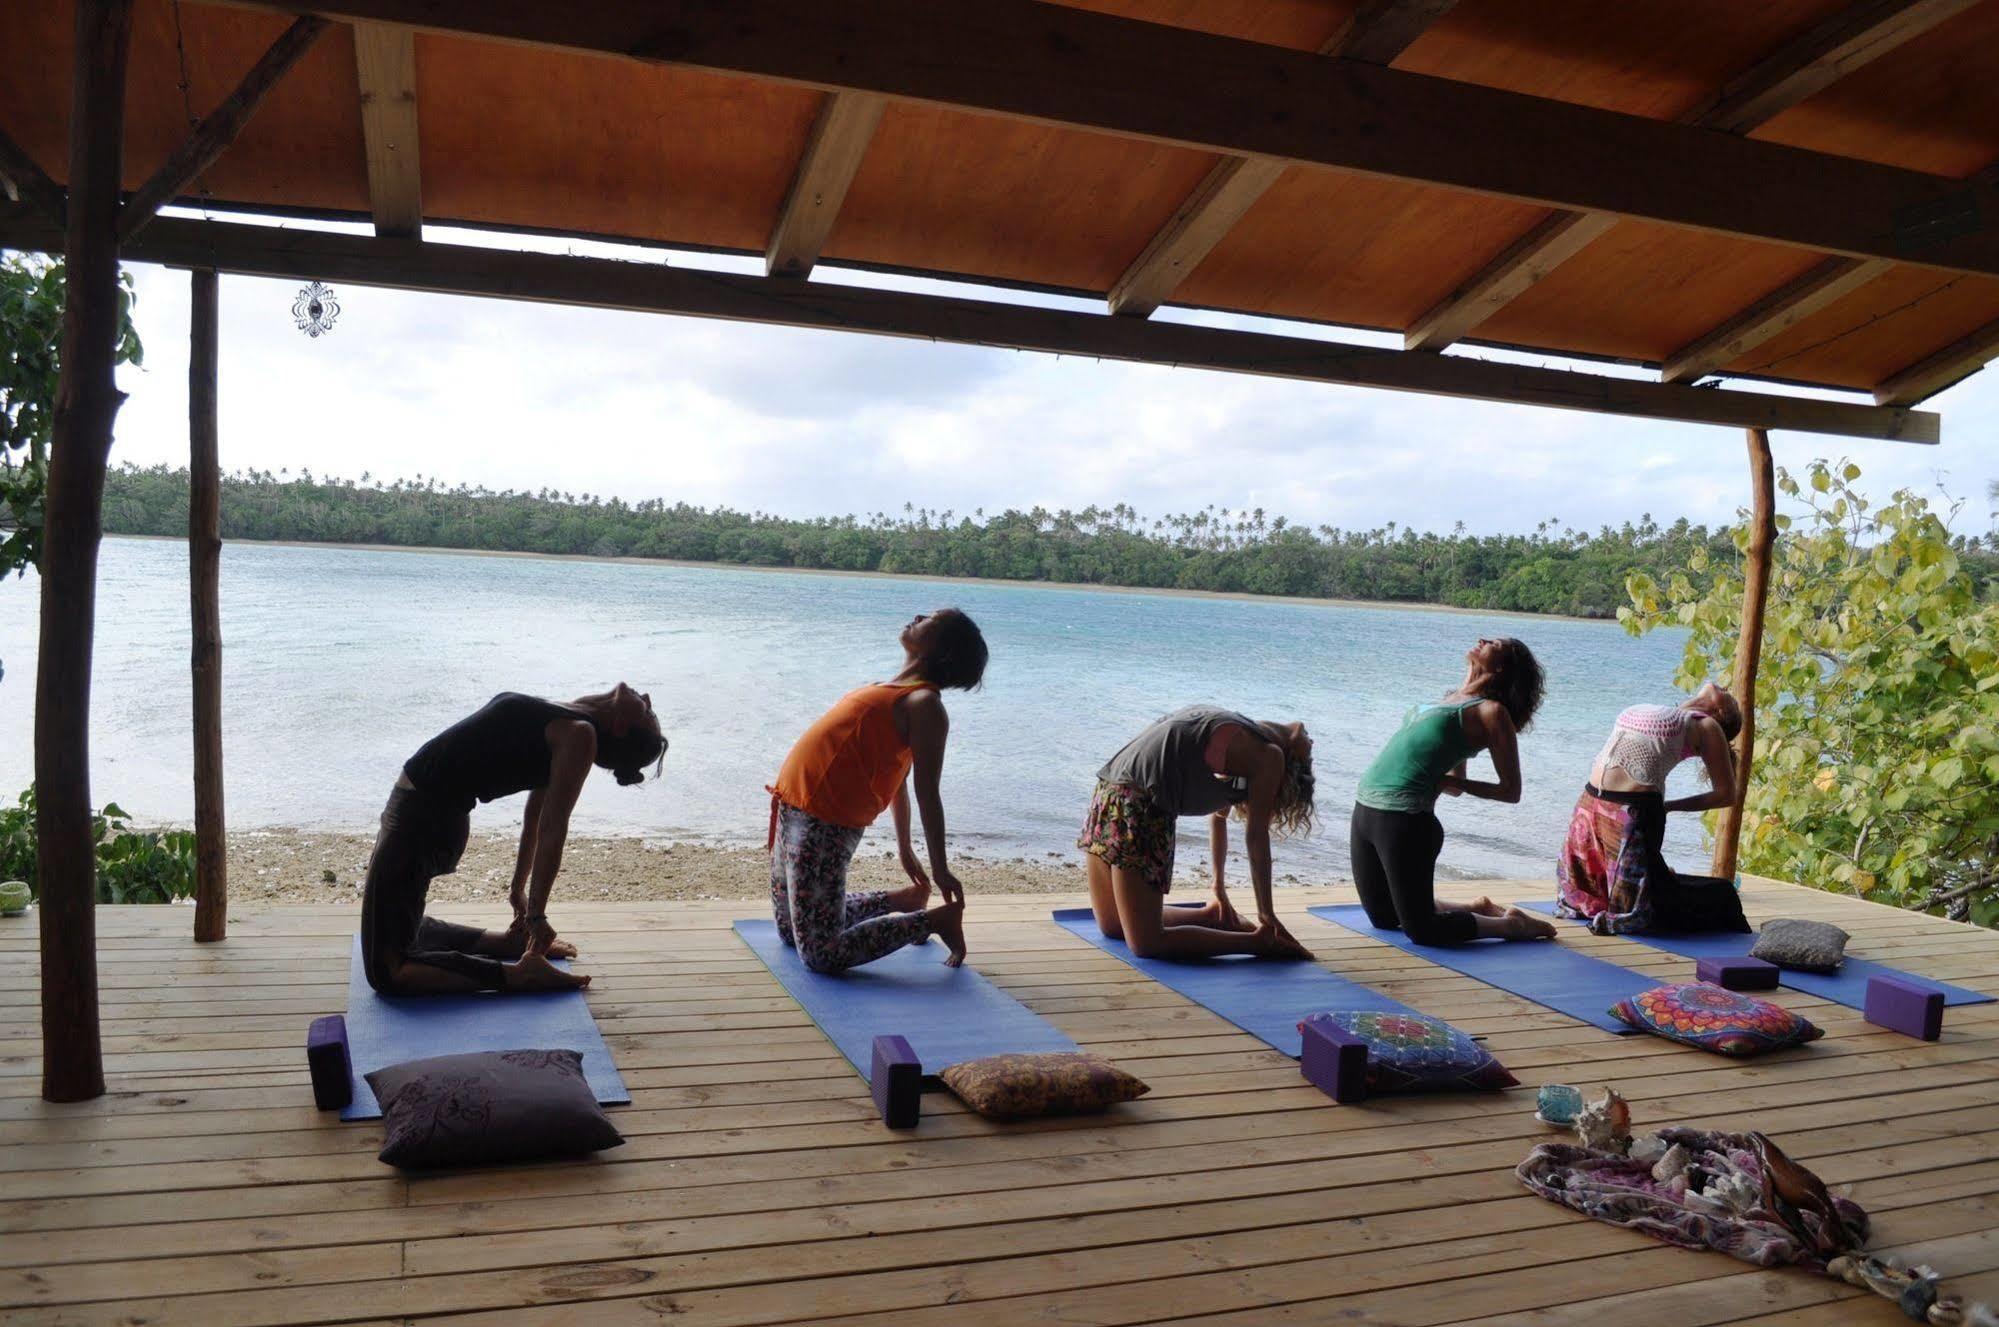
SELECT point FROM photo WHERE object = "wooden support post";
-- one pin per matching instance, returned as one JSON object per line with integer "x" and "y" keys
{"x": 204, "y": 545}
{"x": 1749, "y": 648}
{"x": 87, "y": 401}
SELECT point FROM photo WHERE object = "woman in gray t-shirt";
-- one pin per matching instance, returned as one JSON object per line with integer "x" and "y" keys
{"x": 1200, "y": 761}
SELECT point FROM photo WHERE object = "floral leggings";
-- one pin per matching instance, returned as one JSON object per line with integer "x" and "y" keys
{"x": 832, "y": 929}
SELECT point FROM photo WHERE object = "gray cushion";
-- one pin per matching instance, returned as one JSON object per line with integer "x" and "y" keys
{"x": 492, "y": 1106}
{"x": 1807, "y": 946}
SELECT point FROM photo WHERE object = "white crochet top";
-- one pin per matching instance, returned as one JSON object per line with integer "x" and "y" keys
{"x": 1646, "y": 742}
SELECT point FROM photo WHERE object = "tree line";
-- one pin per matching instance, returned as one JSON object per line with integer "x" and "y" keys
{"x": 1553, "y": 569}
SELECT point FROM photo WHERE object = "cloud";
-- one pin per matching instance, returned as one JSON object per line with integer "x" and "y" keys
{"x": 818, "y": 423}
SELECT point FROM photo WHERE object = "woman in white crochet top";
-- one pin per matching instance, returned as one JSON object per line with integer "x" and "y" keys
{"x": 1611, "y": 873}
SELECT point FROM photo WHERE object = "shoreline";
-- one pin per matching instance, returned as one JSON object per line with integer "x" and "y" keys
{"x": 1310, "y": 601}
{"x": 294, "y": 866}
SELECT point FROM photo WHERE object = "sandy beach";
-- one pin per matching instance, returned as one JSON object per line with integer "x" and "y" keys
{"x": 311, "y": 866}
{"x": 317, "y": 866}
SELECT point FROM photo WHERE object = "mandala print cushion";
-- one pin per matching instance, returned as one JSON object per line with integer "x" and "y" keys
{"x": 1807, "y": 946}
{"x": 1714, "y": 1019}
{"x": 1014, "y": 1087}
{"x": 487, "y": 1107}
{"x": 1415, "y": 1053}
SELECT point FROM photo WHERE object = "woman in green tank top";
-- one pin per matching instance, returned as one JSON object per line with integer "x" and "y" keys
{"x": 1396, "y": 836}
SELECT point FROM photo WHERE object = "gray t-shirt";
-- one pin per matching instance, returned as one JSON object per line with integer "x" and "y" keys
{"x": 1169, "y": 761}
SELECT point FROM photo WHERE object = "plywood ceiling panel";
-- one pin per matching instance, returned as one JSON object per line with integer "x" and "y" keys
{"x": 1643, "y": 291}
{"x": 1349, "y": 249}
{"x": 1878, "y": 330}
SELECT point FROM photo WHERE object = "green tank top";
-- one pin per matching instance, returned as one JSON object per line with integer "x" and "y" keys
{"x": 1429, "y": 745}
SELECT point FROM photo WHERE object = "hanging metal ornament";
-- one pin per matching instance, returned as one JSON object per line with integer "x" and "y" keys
{"x": 315, "y": 309}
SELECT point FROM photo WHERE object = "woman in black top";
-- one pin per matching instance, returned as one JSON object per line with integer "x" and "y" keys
{"x": 513, "y": 744}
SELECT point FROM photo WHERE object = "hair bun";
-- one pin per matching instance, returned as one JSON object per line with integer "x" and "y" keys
{"x": 627, "y": 777}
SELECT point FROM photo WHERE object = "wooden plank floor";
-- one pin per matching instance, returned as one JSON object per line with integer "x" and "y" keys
{"x": 757, "y": 1186}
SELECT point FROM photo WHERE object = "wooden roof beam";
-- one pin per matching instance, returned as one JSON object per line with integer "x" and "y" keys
{"x": 219, "y": 128}
{"x": 1843, "y": 43}
{"x": 1100, "y": 72}
{"x": 1930, "y": 375}
{"x": 292, "y": 253}
{"x": 832, "y": 157}
{"x": 1380, "y": 31}
{"x": 24, "y": 181}
{"x": 385, "y": 67}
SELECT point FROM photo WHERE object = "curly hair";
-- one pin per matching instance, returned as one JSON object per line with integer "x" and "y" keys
{"x": 1518, "y": 684}
{"x": 1296, "y": 813}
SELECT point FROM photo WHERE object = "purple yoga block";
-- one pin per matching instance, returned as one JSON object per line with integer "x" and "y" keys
{"x": 1334, "y": 1059}
{"x": 1738, "y": 974}
{"x": 897, "y": 1081}
{"x": 1903, "y": 1006}
{"x": 326, "y": 1056}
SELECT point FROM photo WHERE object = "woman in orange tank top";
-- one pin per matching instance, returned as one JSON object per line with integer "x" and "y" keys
{"x": 850, "y": 766}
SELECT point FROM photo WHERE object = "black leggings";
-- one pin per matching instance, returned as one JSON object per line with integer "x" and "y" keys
{"x": 419, "y": 840}
{"x": 1395, "y": 870}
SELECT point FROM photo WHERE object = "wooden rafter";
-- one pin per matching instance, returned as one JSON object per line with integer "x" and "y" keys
{"x": 1931, "y": 374}
{"x": 385, "y": 65}
{"x": 833, "y": 152}
{"x": 1787, "y": 306}
{"x": 219, "y": 128}
{"x": 656, "y": 288}
{"x": 1075, "y": 67}
{"x": 1782, "y": 308}
{"x": 22, "y": 180}
{"x": 1378, "y": 33}
{"x": 1843, "y": 43}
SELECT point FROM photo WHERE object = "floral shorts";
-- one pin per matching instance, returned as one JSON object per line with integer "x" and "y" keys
{"x": 1129, "y": 833}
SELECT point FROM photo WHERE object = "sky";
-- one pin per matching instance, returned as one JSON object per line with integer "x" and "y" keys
{"x": 807, "y": 423}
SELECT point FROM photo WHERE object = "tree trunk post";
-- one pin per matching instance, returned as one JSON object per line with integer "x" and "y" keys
{"x": 204, "y": 544}
{"x": 1749, "y": 648}
{"x": 87, "y": 401}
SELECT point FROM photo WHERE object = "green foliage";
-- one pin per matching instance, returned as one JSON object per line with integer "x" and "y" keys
{"x": 133, "y": 866}
{"x": 1877, "y": 742}
{"x": 1549, "y": 571}
{"x": 31, "y": 299}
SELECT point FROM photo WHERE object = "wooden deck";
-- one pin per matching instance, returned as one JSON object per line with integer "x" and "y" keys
{"x": 757, "y": 1186}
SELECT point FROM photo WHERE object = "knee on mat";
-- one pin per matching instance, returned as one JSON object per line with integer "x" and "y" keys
{"x": 1148, "y": 946}
{"x": 820, "y": 960}
{"x": 1431, "y": 931}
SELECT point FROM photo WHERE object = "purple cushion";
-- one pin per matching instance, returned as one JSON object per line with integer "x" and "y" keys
{"x": 489, "y": 1107}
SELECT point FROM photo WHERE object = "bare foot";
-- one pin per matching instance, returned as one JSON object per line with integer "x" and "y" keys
{"x": 1485, "y": 907}
{"x": 532, "y": 972}
{"x": 1273, "y": 943}
{"x": 948, "y": 924}
{"x": 910, "y": 898}
{"x": 517, "y": 935}
{"x": 1521, "y": 925}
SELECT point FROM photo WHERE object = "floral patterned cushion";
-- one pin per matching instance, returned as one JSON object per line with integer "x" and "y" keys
{"x": 488, "y": 1107}
{"x": 1416, "y": 1053}
{"x": 1714, "y": 1019}
{"x": 1014, "y": 1087}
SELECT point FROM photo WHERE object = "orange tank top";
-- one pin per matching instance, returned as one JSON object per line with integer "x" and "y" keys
{"x": 847, "y": 766}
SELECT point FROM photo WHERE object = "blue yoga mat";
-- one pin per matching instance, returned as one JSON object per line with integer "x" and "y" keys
{"x": 1263, "y": 997}
{"x": 947, "y": 1014}
{"x": 1847, "y": 986}
{"x": 1542, "y": 971}
{"x": 389, "y": 1029}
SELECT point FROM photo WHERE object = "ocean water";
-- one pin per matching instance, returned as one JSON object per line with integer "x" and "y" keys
{"x": 339, "y": 662}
